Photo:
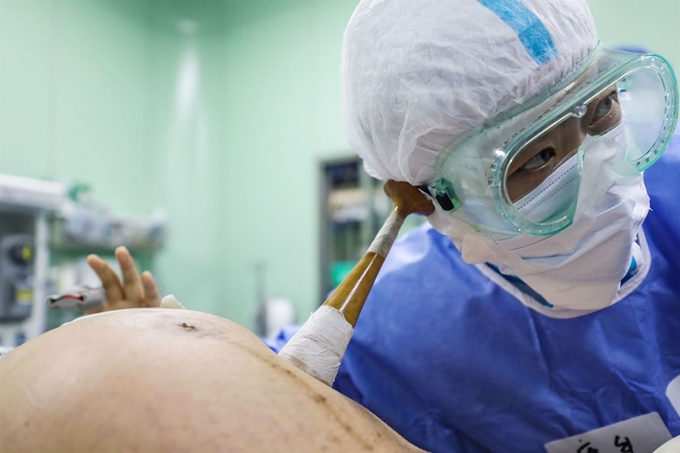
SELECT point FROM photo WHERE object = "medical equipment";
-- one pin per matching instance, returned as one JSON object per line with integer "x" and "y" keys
{"x": 82, "y": 298}
{"x": 318, "y": 347}
{"x": 78, "y": 298}
{"x": 16, "y": 277}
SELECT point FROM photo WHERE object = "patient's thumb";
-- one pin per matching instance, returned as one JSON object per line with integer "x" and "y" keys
{"x": 170, "y": 301}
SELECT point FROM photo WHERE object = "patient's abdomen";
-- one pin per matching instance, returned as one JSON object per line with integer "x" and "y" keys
{"x": 155, "y": 380}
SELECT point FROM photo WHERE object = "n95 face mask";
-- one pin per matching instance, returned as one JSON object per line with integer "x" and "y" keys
{"x": 580, "y": 267}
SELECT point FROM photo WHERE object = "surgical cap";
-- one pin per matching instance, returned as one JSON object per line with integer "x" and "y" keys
{"x": 416, "y": 74}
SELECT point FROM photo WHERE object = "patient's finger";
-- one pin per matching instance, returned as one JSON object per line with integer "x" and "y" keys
{"x": 132, "y": 285}
{"x": 110, "y": 282}
{"x": 91, "y": 311}
{"x": 151, "y": 293}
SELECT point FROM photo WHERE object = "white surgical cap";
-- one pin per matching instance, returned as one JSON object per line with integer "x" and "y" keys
{"x": 416, "y": 74}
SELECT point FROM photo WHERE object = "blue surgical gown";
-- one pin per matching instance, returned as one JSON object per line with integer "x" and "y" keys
{"x": 454, "y": 363}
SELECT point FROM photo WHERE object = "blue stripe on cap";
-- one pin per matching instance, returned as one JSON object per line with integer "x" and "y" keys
{"x": 529, "y": 28}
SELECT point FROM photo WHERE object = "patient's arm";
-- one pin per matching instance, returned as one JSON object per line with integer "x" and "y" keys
{"x": 155, "y": 380}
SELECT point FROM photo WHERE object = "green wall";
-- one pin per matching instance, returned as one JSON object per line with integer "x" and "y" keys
{"x": 239, "y": 132}
{"x": 652, "y": 24}
{"x": 218, "y": 111}
{"x": 73, "y": 95}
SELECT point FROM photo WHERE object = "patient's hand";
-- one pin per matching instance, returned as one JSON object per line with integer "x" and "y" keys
{"x": 133, "y": 292}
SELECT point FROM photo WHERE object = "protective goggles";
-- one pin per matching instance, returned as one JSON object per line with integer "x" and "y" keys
{"x": 486, "y": 177}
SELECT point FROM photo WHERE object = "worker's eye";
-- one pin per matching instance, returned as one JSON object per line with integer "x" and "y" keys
{"x": 539, "y": 160}
{"x": 607, "y": 114}
{"x": 603, "y": 108}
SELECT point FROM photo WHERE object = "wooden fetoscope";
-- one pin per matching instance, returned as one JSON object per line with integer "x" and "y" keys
{"x": 316, "y": 348}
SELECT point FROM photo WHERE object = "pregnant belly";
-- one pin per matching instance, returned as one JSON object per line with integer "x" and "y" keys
{"x": 155, "y": 380}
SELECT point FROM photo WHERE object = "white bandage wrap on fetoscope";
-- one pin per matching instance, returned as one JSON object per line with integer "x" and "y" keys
{"x": 319, "y": 351}
{"x": 388, "y": 233}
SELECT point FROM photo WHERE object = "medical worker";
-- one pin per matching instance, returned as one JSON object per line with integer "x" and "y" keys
{"x": 536, "y": 311}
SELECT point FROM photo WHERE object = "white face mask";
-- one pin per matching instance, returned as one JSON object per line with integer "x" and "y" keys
{"x": 582, "y": 266}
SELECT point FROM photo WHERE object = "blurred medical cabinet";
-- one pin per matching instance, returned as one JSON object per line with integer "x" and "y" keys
{"x": 47, "y": 229}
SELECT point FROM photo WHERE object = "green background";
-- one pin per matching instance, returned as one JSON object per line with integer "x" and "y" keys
{"x": 217, "y": 111}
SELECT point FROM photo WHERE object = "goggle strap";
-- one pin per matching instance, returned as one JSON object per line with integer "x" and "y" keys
{"x": 442, "y": 191}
